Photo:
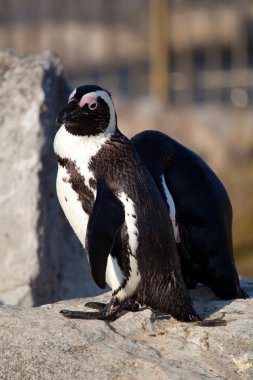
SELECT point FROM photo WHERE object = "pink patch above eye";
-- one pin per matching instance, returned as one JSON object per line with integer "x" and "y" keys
{"x": 86, "y": 99}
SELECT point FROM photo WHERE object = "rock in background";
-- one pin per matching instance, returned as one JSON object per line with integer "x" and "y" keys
{"x": 41, "y": 259}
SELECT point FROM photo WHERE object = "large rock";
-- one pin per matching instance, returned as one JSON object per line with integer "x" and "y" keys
{"x": 41, "y": 260}
{"x": 40, "y": 343}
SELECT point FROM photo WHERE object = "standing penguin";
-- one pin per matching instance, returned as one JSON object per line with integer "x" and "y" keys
{"x": 116, "y": 210}
{"x": 200, "y": 211}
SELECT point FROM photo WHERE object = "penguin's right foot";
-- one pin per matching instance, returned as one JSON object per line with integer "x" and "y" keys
{"x": 107, "y": 312}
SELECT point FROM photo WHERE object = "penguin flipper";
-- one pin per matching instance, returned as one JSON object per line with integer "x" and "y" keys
{"x": 106, "y": 219}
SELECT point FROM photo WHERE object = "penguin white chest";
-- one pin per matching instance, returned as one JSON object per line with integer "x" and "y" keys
{"x": 71, "y": 203}
{"x": 76, "y": 199}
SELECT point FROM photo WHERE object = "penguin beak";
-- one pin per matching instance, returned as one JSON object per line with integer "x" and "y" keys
{"x": 68, "y": 114}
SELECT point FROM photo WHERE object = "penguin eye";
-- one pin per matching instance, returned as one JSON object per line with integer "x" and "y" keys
{"x": 93, "y": 106}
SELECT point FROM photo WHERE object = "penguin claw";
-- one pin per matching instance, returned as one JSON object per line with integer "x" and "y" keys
{"x": 194, "y": 318}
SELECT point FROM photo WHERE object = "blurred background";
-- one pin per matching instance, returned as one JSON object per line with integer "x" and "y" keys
{"x": 181, "y": 66}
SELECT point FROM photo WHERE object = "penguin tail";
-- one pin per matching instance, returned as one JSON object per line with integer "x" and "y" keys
{"x": 242, "y": 294}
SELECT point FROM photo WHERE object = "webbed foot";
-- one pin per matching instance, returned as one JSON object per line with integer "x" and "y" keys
{"x": 107, "y": 312}
{"x": 95, "y": 305}
{"x": 128, "y": 306}
{"x": 79, "y": 314}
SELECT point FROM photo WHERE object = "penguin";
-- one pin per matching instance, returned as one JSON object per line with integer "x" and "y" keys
{"x": 200, "y": 210}
{"x": 116, "y": 210}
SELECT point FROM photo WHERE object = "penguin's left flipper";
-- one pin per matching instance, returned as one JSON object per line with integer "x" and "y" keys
{"x": 106, "y": 219}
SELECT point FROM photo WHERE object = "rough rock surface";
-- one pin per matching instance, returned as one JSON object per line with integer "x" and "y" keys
{"x": 40, "y": 343}
{"x": 41, "y": 259}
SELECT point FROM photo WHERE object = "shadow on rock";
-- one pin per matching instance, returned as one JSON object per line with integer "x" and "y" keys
{"x": 207, "y": 304}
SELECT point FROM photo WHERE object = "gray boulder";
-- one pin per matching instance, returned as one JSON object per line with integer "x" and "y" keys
{"x": 40, "y": 343}
{"x": 41, "y": 259}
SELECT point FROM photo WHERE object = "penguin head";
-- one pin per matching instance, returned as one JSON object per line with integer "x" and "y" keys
{"x": 89, "y": 112}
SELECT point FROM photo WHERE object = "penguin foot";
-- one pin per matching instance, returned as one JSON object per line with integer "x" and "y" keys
{"x": 106, "y": 313}
{"x": 131, "y": 306}
{"x": 183, "y": 318}
{"x": 86, "y": 315}
{"x": 95, "y": 305}
{"x": 186, "y": 316}
{"x": 79, "y": 314}
{"x": 193, "y": 318}
{"x": 128, "y": 306}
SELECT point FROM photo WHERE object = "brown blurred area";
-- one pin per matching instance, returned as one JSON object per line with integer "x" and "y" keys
{"x": 181, "y": 66}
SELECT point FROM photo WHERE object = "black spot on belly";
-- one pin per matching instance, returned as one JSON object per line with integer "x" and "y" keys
{"x": 77, "y": 182}
{"x": 66, "y": 199}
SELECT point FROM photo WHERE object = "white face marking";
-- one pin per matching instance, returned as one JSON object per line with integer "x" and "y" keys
{"x": 172, "y": 209}
{"x": 131, "y": 225}
{"x": 72, "y": 95}
{"x": 70, "y": 204}
{"x": 114, "y": 275}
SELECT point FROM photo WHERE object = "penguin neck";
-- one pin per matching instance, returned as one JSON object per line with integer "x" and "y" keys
{"x": 67, "y": 145}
